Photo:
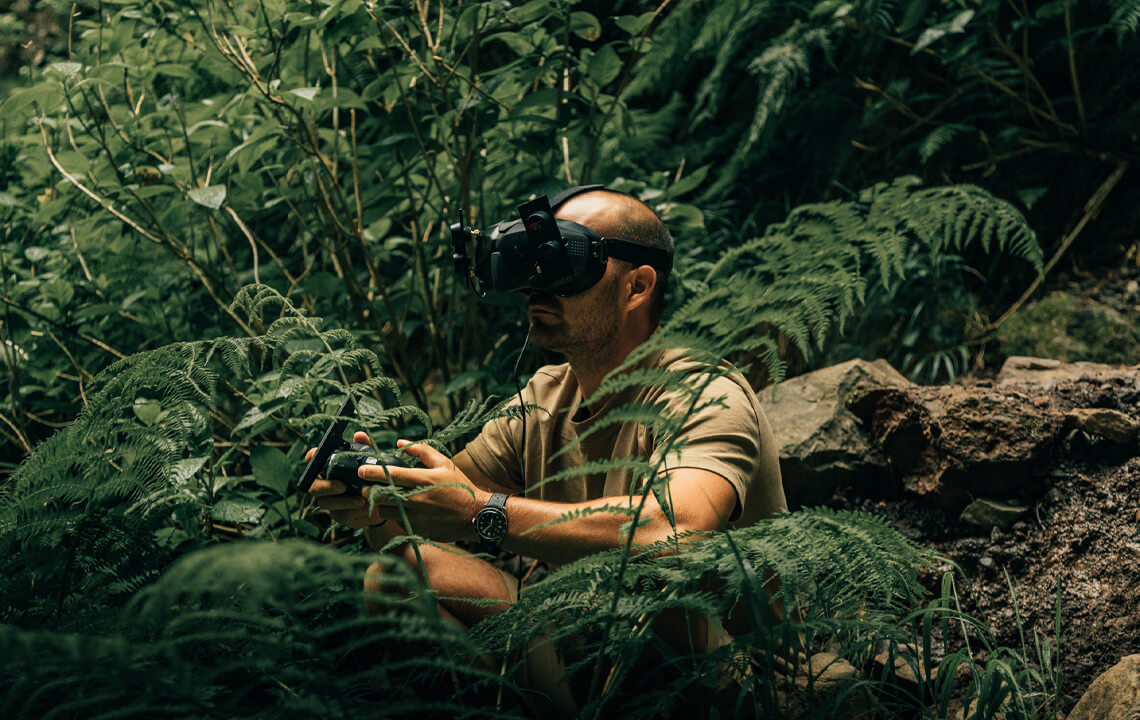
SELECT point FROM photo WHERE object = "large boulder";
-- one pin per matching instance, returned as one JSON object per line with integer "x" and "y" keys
{"x": 953, "y": 444}
{"x": 1115, "y": 695}
{"x": 822, "y": 446}
{"x": 862, "y": 427}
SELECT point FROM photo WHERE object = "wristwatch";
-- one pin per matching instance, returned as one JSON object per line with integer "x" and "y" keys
{"x": 491, "y": 521}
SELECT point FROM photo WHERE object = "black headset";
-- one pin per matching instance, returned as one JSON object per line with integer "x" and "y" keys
{"x": 541, "y": 253}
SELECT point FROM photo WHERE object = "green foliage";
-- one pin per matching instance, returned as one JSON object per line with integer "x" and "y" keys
{"x": 604, "y": 627}
{"x": 244, "y": 630}
{"x": 816, "y": 268}
{"x": 1070, "y": 329}
{"x": 186, "y": 188}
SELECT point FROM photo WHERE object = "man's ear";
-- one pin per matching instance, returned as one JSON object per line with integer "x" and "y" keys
{"x": 642, "y": 281}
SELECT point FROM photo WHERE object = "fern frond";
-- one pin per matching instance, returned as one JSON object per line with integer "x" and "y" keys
{"x": 1125, "y": 16}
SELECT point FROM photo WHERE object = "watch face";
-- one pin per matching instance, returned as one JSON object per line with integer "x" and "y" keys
{"x": 491, "y": 524}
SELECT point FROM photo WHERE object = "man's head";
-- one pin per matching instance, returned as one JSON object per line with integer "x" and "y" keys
{"x": 627, "y": 302}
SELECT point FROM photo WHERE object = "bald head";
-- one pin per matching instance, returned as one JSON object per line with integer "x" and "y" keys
{"x": 618, "y": 215}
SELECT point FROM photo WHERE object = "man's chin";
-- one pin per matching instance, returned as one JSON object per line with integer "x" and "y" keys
{"x": 546, "y": 336}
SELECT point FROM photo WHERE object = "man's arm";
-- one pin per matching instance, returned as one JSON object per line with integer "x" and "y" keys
{"x": 701, "y": 501}
{"x": 449, "y": 498}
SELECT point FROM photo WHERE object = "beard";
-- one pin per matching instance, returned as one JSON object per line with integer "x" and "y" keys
{"x": 582, "y": 332}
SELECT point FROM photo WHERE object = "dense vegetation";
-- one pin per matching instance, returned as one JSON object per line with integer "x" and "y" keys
{"x": 219, "y": 217}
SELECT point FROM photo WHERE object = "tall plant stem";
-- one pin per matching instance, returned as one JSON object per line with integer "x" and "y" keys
{"x": 1092, "y": 209}
{"x": 1073, "y": 68}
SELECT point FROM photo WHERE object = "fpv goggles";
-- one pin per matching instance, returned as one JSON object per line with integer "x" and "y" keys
{"x": 544, "y": 254}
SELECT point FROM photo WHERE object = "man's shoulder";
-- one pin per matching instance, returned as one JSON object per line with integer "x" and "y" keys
{"x": 549, "y": 379}
{"x": 684, "y": 361}
{"x": 723, "y": 378}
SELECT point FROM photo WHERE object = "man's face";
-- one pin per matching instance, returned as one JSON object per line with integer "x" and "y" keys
{"x": 586, "y": 323}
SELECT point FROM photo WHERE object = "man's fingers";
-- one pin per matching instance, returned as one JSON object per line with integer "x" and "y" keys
{"x": 341, "y": 502}
{"x": 361, "y": 438}
{"x": 321, "y": 486}
{"x": 309, "y": 455}
{"x": 382, "y": 498}
{"x": 402, "y": 476}
{"x": 425, "y": 453}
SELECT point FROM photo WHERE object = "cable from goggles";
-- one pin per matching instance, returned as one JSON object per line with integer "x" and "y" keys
{"x": 541, "y": 253}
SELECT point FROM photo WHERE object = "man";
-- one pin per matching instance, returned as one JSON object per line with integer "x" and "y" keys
{"x": 727, "y": 473}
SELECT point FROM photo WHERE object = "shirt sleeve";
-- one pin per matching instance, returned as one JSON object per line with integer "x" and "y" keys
{"x": 722, "y": 436}
{"x": 495, "y": 450}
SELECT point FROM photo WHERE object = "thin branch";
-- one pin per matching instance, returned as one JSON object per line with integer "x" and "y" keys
{"x": 110, "y": 207}
{"x": 93, "y": 340}
{"x": 19, "y": 435}
{"x": 1092, "y": 209}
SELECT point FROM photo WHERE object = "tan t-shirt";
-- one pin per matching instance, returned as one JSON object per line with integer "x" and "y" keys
{"x": 730, "y": 437}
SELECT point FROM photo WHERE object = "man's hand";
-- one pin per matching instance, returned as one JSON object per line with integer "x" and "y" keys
{"x": 442, "y": 502}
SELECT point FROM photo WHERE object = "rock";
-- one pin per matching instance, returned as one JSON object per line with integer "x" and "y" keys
{"x": 822, "y": 447}
{"x": 959, "y": 710}
{"x": 952, "y": 444}
{"x": 1109, "y": 424}
{"x": 1046, "y": 373}
{"x": 809, "y": 689}
{"x": 1115, "y": 695}
{"x": 989, "y": 514}
{"x": 901, "y": 671}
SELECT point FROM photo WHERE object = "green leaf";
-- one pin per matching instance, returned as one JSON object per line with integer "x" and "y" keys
{"x": 686, "y": 215}
{"x": 913, "y": 14}
{"x": 238, "y": 511}
{"x": 59, "y": 291}
{"x": 690, "y": 182}
{"x": 47, "y": 95}
{"x": 345, "y": 98}
{"x": 585, "y": 26}
{"x": 186, "y": 468}
{"x": 177, "y": 70}
{"x": 464, "y": 380}
{"x": 67, "y": 69}
{"x": 98, "y": 310}
{"x": 604, "y": 66}
{"x": 515, "y": 41}
{"x": 211, "y": 196}
{"x": 271, "y": 468}
{"x": 251, "y": 150}
{"x": 147, "y": 411}
{"x": 324, "y": 284}
{"x": 73, "y": 162}
{"x": 300, "y": 19}
{"x": 306, "y": 93}
{"x": 1030, "y": 195}
{"x": 936, "y": 32}
{"x": 530, "y": 12}
{"x": 35, "y": 254}
{"x": 375, "y": 89}
{"x": 634, "y": 24}
{"x": 543, "y": 98}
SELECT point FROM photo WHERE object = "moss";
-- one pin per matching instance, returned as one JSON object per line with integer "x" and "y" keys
{"x": 1070, "y": 328}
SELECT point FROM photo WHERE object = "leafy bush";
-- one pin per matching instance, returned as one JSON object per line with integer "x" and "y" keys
{"x": 192, "y": 186}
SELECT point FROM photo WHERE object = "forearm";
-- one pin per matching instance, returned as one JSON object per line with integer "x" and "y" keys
{"x": 590, "y": 528}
